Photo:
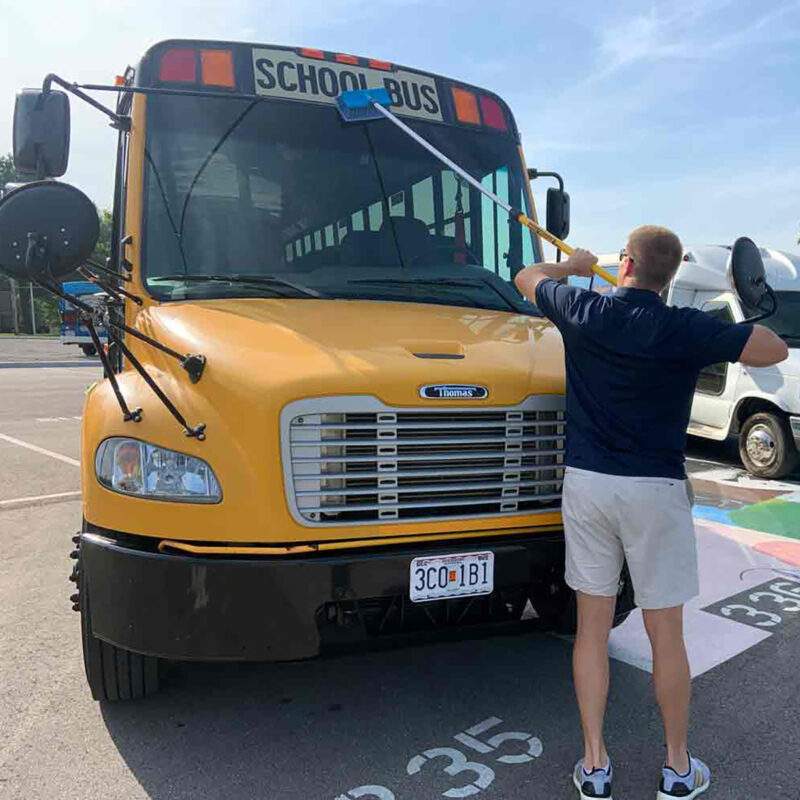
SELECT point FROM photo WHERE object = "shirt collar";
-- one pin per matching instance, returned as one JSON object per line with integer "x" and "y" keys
{"x": 637, "y": 295}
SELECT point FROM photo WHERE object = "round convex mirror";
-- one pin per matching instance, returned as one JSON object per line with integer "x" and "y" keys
{"x": 746, "y": 273}
{"x": 60, "y": 219}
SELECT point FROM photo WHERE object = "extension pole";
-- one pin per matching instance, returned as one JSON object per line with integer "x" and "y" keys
{"x": 519, "y": 216}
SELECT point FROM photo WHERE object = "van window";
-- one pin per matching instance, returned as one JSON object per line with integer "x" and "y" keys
{"x": 711, "y": 379}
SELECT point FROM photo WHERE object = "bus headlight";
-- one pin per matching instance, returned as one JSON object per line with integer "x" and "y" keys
{"x": 137, "y": 468}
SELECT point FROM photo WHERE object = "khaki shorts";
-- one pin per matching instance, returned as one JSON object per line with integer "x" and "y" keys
{"x": 645, "y": 521}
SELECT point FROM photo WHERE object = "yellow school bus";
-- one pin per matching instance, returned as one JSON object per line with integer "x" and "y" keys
{"x": 328, "y": 416}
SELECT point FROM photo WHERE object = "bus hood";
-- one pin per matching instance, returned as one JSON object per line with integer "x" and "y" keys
{"x": 266, "y": 353}
{"x": 387, "y": 349}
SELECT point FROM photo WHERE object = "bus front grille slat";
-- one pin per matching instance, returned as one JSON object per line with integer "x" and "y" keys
{"x": 348, "y": 466}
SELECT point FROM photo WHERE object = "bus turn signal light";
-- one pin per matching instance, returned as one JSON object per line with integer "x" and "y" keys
{"x": 178, "y": 65}
{"x": 466, "y": 104}
{"x": 217, "y": 68}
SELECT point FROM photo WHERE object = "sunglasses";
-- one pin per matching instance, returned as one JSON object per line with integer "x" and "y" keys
{"x": 624, "y": 254}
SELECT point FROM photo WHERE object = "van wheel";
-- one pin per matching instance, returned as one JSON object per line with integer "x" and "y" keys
{"x": 89, "y": 349}
{"x": 112, "y": 672}
{"x": 766, "y": 445}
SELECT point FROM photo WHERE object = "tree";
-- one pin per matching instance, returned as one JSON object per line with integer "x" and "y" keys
{"x": 8, "y": 172}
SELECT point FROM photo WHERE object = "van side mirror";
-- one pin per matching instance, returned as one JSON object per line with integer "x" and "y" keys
{"x": 41, "y": 133}
{"x": 47, "y": 229}
{"x": 748, "y": 278}
{"x": 558, "y": 212}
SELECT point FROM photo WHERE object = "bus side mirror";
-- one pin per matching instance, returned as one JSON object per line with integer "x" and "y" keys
{"x": 748, "y": 278}
{"x": 558, "y": 212}
{"x": 47, "y": 229}
{"x": 41, "y": 133}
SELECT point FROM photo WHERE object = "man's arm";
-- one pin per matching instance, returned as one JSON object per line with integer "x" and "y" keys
{"x": 763, "y": 348}
{"x": 579, "y": 263}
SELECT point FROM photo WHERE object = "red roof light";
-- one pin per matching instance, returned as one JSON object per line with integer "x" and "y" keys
{"x": 344, "y": 58}
{"x": 376, "y": 63}
{"x": 310, "y": 52}
{"x": 492, "y": 113}
{"x": 178, "y": 65}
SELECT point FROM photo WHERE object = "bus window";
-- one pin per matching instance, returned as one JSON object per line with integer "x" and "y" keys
{"x": 527, "y": 237}
{"x": 488, "y": 225}
{"x": 397, "y": 204}
{"x": 422, "y": 198}
{"x": 375, "y": 213}
{"x": 318, "y": 240}
{"x": 329, "y": 236}
{"x": 358, "y": 220}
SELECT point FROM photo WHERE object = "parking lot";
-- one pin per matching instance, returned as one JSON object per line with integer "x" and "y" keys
{"x": 412, "y": 723}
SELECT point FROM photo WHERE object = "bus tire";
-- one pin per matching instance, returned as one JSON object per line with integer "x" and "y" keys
{"x": 766, "y": 445}
{"x": 113, "y": 673}
{"x": 89, "y": 349}
{"x": 557, "y": 608}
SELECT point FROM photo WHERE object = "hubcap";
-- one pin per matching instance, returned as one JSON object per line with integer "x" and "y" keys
{"x": 760, "y": 446}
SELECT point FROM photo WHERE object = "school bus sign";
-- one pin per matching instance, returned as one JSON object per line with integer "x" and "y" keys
{"x": 282, "y": 73}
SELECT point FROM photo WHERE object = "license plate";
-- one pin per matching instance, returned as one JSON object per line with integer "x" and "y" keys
{"x": 457, "y": 575}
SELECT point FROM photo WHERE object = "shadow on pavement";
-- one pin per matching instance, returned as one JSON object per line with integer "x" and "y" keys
{"x": 316, "y": 729}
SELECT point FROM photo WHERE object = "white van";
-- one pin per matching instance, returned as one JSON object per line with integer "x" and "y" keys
{"x": 760, "y": 404}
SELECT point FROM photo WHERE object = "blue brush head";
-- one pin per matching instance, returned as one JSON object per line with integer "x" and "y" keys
{"x": 359, "y": 105}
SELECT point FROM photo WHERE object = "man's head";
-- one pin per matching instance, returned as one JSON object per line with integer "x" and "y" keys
{"x": 650, "y": 259}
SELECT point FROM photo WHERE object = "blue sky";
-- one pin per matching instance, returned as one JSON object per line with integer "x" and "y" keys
{"x": 680, "y": 113}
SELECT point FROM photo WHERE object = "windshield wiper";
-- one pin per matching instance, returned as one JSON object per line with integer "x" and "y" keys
{"x": 454, "y": 282}
{"x": 256, "y": 280}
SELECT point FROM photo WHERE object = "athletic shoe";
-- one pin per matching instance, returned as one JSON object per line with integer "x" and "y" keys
{"x": 687, "y": 786}
{"x": 594, "y": 784}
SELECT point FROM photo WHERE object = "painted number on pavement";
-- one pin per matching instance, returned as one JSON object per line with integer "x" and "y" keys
{"x": 771, "y": 606}
{"x": 470, "y": 777}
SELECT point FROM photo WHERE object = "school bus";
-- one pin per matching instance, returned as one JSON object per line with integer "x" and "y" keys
{"x": 363, "y": 432}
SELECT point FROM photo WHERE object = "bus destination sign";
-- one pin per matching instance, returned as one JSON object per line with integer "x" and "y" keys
{"x": 283, "y": 73}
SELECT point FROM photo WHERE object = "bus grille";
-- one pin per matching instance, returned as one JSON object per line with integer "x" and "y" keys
{"x": 347, "y": 465}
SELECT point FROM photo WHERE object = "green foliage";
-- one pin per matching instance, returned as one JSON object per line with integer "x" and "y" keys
{"x": 103, "y": 249}
{"x": 8, "y": 173}
{"x": 48, "y": 319}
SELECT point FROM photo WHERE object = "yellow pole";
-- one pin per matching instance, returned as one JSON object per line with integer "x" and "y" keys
{"x": 523, "y": 219}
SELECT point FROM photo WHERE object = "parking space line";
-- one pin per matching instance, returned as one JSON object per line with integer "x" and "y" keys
{"x": 41, "y": 450}
{"x": 37, "y": 499}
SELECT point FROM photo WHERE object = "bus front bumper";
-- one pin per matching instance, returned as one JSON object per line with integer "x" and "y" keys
{"x": 212, "y": 608}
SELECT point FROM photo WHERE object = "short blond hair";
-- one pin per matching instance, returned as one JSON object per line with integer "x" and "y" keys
{"x": 656, "y": 254}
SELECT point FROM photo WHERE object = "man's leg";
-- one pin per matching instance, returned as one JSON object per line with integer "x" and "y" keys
{"x": 590, "y": 670}
{"x": 672, "y": 680}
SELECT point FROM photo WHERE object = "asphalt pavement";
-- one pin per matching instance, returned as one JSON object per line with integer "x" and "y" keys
{"x": 416, "y": 722}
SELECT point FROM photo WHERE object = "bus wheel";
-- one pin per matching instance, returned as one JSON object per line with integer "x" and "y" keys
{"x": 89, "y": 349}
{"x": 766, "y": 445}
{"x": 112, "y": 672}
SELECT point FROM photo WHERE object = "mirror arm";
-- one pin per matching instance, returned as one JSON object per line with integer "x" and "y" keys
{"x": 198, "y": 431}
{"x": 108, "y": 271}
{"x": 127, "y": 414}
{"x": 116, "y": 292}
{"x": 117, "y": 121}
{"x": 534, "y": 173}
{"x": 764, "y": 314}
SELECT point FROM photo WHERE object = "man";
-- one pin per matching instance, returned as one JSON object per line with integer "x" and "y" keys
{"x": 632, "y": 364}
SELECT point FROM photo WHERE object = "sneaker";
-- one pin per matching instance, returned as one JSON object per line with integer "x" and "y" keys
{"x": 687, "y": 786}
{"x": 594, "y": 784}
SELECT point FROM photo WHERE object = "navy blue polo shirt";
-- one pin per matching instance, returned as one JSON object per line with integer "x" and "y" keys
{"x": 632, "y": 365}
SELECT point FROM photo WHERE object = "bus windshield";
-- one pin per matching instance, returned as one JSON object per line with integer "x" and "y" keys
{"x": 286, "y": 199}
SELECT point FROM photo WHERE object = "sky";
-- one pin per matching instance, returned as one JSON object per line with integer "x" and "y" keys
{"x": 683, "y": 113}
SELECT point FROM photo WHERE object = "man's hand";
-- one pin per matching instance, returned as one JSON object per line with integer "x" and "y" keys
{"x": 579, "y": 263}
